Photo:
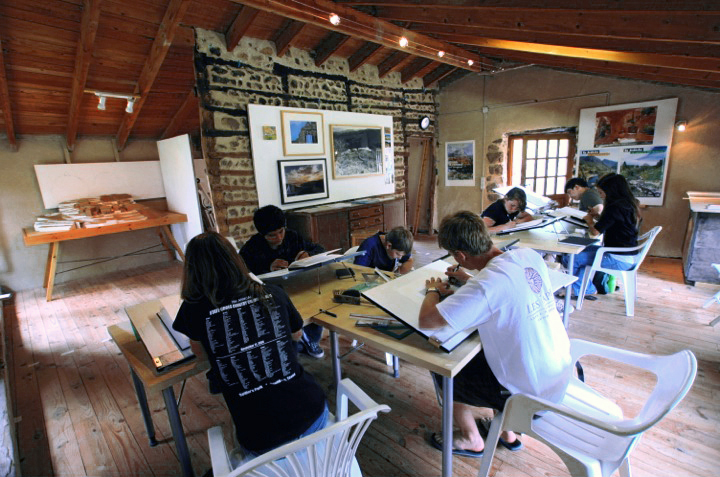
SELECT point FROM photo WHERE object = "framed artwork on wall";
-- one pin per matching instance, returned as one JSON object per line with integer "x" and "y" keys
{"x": 460, "y": 163}
{"x": 302, "y": 180}
{"x": 356, "y": 150}
{"x": 629, "y": 139}
{"x": 302, "y": 133}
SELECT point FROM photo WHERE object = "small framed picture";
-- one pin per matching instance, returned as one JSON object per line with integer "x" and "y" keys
{"x": 356, "y": 151}
{"x": 460, "y": 163}
{"x": 302, "y": 180}
{"x": 269, "y": 133}
{"x": 302, "y": 133}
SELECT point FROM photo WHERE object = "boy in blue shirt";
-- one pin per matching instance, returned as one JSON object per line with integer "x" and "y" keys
{"x": 391, "y": 251}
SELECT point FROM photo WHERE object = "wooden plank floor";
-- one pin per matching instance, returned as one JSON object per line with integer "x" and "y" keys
{"x": 78, "y": 414}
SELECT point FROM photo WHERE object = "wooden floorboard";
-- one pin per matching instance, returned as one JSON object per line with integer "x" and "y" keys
{"x": 78, "y": 414}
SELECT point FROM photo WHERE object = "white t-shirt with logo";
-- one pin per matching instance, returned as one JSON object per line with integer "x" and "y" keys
{"x": 511, "y": 304}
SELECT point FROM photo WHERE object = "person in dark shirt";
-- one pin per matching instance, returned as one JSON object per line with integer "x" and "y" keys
{"x": 619, "y": 224}
{"x": 507, "y": 212}
{"x": 275, "y": 247}
{"x": 390, "y": 251}
{"x": 590, "y": 201}
{"x": 245, "y": 329}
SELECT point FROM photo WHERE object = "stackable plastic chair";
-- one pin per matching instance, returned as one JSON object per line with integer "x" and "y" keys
{"x": 586, "y": 429}
{"x": 629, "y": 277}
{"x": 330, "y": 452}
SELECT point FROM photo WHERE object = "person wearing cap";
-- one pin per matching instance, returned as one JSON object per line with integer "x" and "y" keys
{"x": 275, "y": 247}
{"x": 508, "y": 212}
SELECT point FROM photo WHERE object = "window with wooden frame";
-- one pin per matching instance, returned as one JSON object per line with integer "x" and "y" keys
{"x": 542, "y": 163}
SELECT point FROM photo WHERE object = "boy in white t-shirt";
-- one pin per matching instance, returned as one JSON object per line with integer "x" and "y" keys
{"x": 510, "y": 302}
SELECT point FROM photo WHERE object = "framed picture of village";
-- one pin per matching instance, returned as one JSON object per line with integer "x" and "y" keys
{"x": 460, "y": 163}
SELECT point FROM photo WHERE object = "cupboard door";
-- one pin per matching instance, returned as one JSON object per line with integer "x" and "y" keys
{"x": 331, "y": 230}
{"x": 394, "y": 214}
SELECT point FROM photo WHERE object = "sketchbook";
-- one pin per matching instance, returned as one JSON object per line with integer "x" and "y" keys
{"x": 315, "y": 259}
{"x": 533, "y": 224}
{"x": 403, "y": 297}
{"x": 580, "y": 241}
{"x": 309, "y": 263}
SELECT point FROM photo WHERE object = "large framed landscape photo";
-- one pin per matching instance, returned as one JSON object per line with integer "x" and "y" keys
{"x": 629, "y": 139}
{"x": 302, "y": 133}
{"x": 356, "y": 150}
{"x": 302, "y": 179}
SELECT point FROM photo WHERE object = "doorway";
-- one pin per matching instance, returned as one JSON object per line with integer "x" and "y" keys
{"x": 421, "y": 184}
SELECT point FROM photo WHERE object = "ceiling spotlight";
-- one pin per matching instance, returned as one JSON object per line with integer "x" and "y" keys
{"x": 441, "y": 53}
{"x": 334, "y": 19}
{"x": 403, "y": 41}
{"x": 130, "y": 104}
{"x": 470, "y": 62}
{"x": 681, "y": 125}
{"x": 101, "y": 103}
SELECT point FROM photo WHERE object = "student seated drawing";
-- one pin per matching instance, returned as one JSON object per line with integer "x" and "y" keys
{"x": 275, "y": 247}
{"x": 271, "y": 399}
{"x": 590, "y": 201}
{"x": 508, "y": 212}
{"x": 510, "y": 302}
{"x": 391, "y": 251}
{"x": 618, "y": 222}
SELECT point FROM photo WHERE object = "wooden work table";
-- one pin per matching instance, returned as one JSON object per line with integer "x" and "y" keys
{"x": 162, "y": 219}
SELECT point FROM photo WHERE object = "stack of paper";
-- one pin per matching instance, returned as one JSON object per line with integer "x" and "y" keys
{"x": 53, "y": 223}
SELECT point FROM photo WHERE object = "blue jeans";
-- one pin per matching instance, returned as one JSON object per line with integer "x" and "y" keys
{"x": 586, "y": 257}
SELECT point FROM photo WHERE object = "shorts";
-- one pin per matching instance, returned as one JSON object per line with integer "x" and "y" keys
{"x": 476, "y": 385}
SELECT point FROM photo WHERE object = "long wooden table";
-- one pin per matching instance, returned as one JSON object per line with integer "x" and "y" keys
{"x": 155, "y": 218}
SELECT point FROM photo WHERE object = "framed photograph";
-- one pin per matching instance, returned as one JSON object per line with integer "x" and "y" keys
{"x": 302, "y": 133}
{"x": 303, "y": 179}
{"x": 630, "y": 139}
{"x": 356, "y": 151}
{"x": 460, "y": 163}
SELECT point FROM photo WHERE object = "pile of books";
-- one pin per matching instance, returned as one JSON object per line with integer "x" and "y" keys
{"x": 91, "y": 212}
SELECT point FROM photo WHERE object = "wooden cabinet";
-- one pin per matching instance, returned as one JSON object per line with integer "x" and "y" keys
{"x": 333, "y": 227}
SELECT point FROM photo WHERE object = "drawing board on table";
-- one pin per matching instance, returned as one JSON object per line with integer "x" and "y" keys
{"x": 403, "y": 297}
{"x": 357, "y": 150}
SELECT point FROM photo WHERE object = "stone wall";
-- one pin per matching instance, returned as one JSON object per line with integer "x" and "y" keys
{"x": 252, "y": 74}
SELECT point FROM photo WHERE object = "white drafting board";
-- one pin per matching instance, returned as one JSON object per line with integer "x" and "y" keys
{"x": 60, "y": 182}
{"x": 403, "y": 297}
{"x": 178, "y": 177}
{"x": 267, "y": 152}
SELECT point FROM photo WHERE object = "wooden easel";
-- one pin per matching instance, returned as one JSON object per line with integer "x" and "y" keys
{"x": 426, "y": 159}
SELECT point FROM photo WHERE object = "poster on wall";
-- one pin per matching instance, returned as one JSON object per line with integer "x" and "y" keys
{"x": 357, "y": 150}
{"x": 302, "y": 179}
{"x": 629, "y": 139}
{"x": 302, "y": 133}
{"x": 460, "y": 163}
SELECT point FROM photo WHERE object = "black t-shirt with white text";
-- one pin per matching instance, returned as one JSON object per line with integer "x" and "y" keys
{"x": 270, "y": 397}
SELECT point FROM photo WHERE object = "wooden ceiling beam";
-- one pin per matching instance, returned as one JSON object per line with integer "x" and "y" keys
{"x": 647, "y": 59}
{"x": 637, "y": 72}
{"x": 239, "y": 27}
{"x": 645, "y": 45}
{"x": 329, "y": 45}
{"x": 395, "y": 61}
{"x": 5, "y": 102}
{"x": 166, "y": 31}
{"x": 437, "y": 74}
{"x": 699, "y": 26}
{"x": 83, "y": 56}
{"x": 174, "y": 127}
{"x": 363, "y": 54}
{"x": 366, "y": 27}
{"x": 624, "y": 5}
{"x": 413, "y": 69}
{"x": 287, "y": 35}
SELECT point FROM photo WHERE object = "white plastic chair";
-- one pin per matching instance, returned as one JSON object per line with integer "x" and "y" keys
{"x": 329, "y": 452}
{"x": 586, "y": 429}
{"x": 629, "y": 277}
